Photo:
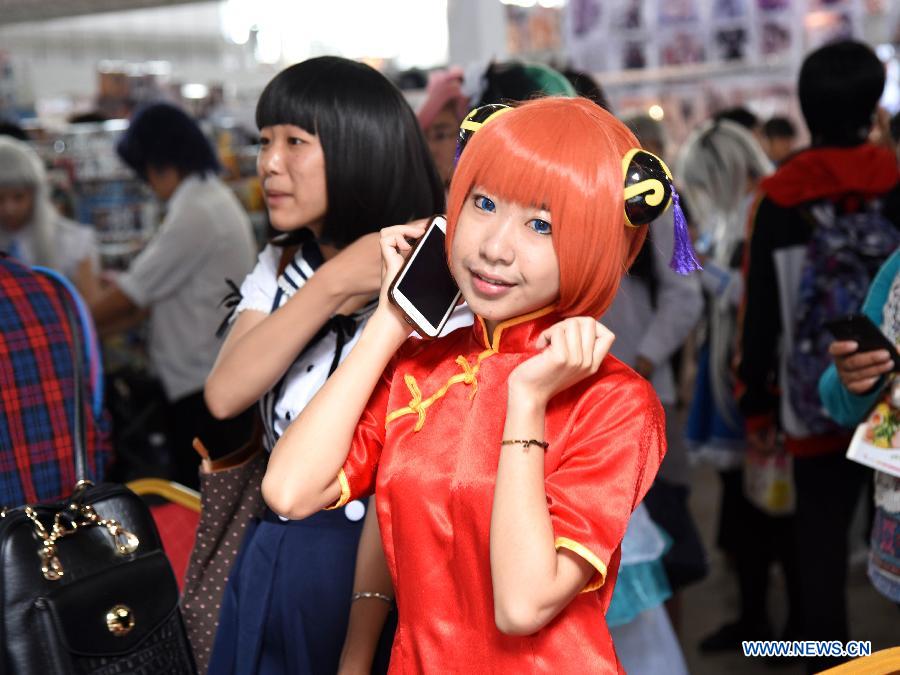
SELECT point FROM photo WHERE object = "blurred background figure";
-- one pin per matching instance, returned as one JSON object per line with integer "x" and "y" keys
{"x": 824, "y": 224}
{"x": 779, "y": 138}
{"x": 719, "y": 169}
{"x": 850, "y": 388}
{"x": 744, "y": 117}
{"x": 204, "y": 240}
{"x": 515, "y": 81}
{"x": 12, "y": 129}
{"x": 440, "y": 115}
{"x": 588, "y": 87}
{"x": 32, "y": 230}
{"x": 893, "y": 134}
{"x": 653, "y": 314}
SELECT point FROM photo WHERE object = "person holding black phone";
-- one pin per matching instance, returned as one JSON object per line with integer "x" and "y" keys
{"x": 849, "y": 388}
{"x": 823, "y": 225}
{"x": 862, "y": 353}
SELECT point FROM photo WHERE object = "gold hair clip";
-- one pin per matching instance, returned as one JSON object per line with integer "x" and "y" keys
{"x": 648, "y": 192}
{"x": 648, "y": 187}
{"x": 476, "y": 119}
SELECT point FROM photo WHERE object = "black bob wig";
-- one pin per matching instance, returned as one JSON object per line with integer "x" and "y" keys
{"x": 378, "y": 170}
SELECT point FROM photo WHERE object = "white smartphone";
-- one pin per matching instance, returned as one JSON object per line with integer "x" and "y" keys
{"x": 424, "y": 289}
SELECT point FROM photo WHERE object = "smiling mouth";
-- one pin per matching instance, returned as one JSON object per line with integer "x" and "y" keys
{"x": 491, "y": 280}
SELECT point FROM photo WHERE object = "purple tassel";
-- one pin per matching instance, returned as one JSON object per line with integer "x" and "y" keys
{"x": 683, "y": 259}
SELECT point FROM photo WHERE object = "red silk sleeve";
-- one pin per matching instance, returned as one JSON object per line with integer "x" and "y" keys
{"x": 357, "y": 477}
{"x": 613, "y": 454}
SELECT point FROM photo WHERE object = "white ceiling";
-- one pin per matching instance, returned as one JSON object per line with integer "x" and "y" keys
{"x": 16, "y": 11}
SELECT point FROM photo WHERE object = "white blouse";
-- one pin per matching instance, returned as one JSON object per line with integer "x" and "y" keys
{"x": 264, "y": 290}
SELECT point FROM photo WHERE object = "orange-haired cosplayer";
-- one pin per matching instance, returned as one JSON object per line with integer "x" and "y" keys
{"x": 508, "y": 456}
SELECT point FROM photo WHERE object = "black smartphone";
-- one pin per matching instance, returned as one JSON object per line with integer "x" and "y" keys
{"x": 860, "y": 329}
{"x": 424, "y": 289}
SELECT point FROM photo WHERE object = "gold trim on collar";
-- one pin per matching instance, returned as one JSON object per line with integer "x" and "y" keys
{"x": 586, "y": 553}
{"x": 494, "y": 344}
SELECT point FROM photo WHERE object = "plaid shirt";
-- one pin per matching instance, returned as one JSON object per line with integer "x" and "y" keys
{"x": 36, "y": 460}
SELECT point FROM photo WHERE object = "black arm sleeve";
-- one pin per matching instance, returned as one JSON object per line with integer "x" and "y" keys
{"x": 761, "y": 326}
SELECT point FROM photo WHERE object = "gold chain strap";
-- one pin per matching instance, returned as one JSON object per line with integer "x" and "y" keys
{"x": 124, "y": 541}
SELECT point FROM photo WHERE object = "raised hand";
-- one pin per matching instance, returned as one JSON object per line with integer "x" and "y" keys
{"x": 573, "y": 349}
{"x": 395, "y": 248}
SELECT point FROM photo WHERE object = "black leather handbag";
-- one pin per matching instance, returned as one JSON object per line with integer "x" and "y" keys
{"x": 85, "y": 587}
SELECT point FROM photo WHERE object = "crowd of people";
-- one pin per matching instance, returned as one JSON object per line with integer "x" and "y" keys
{"x": 514, "y": 493}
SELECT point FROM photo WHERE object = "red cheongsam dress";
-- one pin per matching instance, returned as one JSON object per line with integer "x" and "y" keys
{"x": 428, "y": 443}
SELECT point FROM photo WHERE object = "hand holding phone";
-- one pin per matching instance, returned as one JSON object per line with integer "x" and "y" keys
{"x": 867, "y": 336}
{"x": 861, "y": 367}
{"x": 424, "y": 290}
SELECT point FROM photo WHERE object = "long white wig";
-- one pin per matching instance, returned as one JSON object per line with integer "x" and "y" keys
{"x": 716, "y": 165}
{"x": 713, "y": 169}
{"x": 20, "y": 166}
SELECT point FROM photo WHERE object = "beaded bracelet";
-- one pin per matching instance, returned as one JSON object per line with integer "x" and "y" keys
{"x": 359, "y": 595}
{"x": 526, "y": 443}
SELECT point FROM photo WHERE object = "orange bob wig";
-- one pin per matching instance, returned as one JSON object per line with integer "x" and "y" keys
{"x": 564, "y": 154}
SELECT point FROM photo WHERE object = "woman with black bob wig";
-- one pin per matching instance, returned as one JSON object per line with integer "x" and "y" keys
{"x": 340, "y": 157}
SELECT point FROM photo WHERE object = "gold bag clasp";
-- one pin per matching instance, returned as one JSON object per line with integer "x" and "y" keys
{"x": 120, "y": 620}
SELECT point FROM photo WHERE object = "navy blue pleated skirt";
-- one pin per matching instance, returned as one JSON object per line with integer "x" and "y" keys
{"x": 287, "y": 601}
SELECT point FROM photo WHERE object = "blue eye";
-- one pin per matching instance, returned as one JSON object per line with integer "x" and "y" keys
{"x": 484, "y": 203}
{"x": 539, "y": 226}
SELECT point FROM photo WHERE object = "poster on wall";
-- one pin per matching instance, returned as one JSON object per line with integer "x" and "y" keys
{"x": 832, "y": 5}
{"x": 678, "y": 12}
{"x": 825, "y": 26}
{"x": 680, "y": 33}
{"x": 776, "y": 36}
{"x": 729, "y": 9}
{"x": 772, "y": 5}
{"x": 630, "y": 35}
{"x": 645, "y": 34}
{"x": 628, "y": 15}
{"x": 7, "y": 85}
{"x": 585, "y": 31}
{"x": 584, "y": 16}
{"x": 627, "y": 54}
{"x": 731, "y": 35}
{"x": 829, "y": 20}
{"x": 532, "y": 30}
{"x": 730, "y": 43}
{"x": 681, "y": 47}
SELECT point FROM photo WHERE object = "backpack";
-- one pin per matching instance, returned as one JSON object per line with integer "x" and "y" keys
{"x": 85, "y": 585}
{"x": 850, "y": 241}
